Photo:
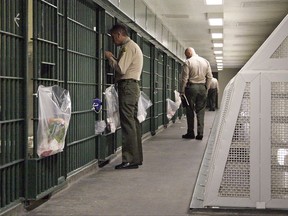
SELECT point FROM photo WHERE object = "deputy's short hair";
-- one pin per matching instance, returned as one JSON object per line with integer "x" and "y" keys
{"x": 119, "y": 27}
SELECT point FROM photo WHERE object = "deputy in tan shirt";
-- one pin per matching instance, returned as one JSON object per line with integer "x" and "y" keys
{"x": 128, "y": 67}
{"x": 195, "y": 80}
{"x": 129, "y": 63}
{"x": 212, "y": 94}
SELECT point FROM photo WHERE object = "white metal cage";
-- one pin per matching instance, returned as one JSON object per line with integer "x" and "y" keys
{"x": 248, "y": 166}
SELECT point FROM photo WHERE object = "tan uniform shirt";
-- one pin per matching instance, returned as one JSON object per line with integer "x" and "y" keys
{"x": 129, "y": 63}
{"x": 195, "y": 70}
{"x": 214, "y": 84}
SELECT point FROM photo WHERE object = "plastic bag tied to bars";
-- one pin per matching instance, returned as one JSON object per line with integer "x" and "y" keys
{"x": 112, "y": 106}
{"x": 54, "y": 116}
{"x": 172, "y": 106}
{"x": 143, "y": 104}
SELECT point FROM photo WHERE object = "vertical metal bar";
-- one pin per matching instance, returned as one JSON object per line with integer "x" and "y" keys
{"x": 65, "y": 153}
{"x": 153, "y": 69}
{"x": 12, "y": 184}
{"x": 3, "y": 185}
{"x": 55, "y": 39}
{"x": 1, "y": 86}
{"x": 35, "y": 72}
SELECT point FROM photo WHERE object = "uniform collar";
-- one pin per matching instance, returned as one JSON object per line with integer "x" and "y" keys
{"x": 126, "y": 41}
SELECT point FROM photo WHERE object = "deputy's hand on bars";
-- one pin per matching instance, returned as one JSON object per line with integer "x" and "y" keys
{"x": 108, "y": 54}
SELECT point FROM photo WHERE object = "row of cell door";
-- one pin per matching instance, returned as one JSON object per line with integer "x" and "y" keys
{"x": 60, "y": 42}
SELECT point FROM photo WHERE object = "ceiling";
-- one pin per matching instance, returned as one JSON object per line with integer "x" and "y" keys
{"x": 247, "y": 23}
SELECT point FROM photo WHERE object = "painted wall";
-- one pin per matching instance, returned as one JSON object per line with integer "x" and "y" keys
{"x": 223, "y": 78}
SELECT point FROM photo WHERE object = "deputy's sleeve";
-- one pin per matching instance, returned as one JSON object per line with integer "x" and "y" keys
{"x": 184, "y": 77}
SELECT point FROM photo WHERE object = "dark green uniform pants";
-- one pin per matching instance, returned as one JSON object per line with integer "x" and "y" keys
{"x": 129, "y": 93}
{"x": 196, "y": 95}
{"x": 212, "y": 94}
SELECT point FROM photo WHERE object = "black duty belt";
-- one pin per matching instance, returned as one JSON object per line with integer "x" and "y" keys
{"x": 190, "y": 84}
{"x": 127, "y": 80}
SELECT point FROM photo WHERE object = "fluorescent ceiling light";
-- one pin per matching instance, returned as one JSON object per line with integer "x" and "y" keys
{"x": 217, "y": 35}
{"x": 220, "y": 64}
{"x": 215, "y": 21}
{"x": 218, "y": 57}
{"x": 220, "y": 69}
{"x": 216, "y": 52}
{"x": 214, "y": 2}
{"x": 218, "y": 44}
{"x": 219, "y": 60}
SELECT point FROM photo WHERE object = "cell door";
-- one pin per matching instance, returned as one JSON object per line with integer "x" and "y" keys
{"x": 13, "y": 69}
{"x": 159, "y": 100}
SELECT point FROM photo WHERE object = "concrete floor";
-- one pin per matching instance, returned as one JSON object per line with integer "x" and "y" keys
{"x": 163, "y": 186}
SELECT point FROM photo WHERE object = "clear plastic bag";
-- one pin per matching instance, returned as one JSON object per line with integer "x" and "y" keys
{"x": 112, "y": 106}
{"x": 177, "y": 98}
{"x": 172, "y": 107}
{"x": 54, "y": 114}
{"x": 100, "y": 127}
{"x": 143, "y": 104}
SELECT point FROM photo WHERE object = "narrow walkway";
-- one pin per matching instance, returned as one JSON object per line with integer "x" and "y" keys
{"x": 163, "y": 186}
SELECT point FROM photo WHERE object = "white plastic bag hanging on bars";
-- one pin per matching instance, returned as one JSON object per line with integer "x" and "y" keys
{"x": 54, "y": 113}
{"x": 143, "y": 104}
{"x": 172, "y": 106}
{"x": 112, "y": 106}
{"x": 177, "y": 98}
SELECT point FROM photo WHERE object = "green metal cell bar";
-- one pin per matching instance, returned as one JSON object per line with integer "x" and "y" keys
{"x": 65, "y": 160}
{"x": 23, "y": 148}
{"x": 82, "y": 54}
{"x": 3, "y": 188}
{"x": 45, "y": 79}
{"x": 45, "y": 41}
{"x": 13, "y": 163}
{"x": 80, "y": 24}
{"x": 8, "y": 69}
{"x": 11, "y": 34}
{"x": 153, "y": 69}
{"x": 11, "y": 78}
{"x": 11, "y": 121}
{"x": 36, "y": 60}
{"x": 82, "y": 140}
{"x": 48, "y": 4}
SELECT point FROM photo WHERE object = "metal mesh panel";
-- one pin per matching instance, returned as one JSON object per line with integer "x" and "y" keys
{"x": 279, "y": 137}
{"x": 282, "y": 50}
{"x": 226, "y": 101}
{"x": 236, "y": 177}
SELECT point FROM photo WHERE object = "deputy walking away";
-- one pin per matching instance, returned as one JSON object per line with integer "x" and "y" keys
{"x": 128, "y": 67}
{"x": 212, "y": 94}
{"x": 195, "y": 80}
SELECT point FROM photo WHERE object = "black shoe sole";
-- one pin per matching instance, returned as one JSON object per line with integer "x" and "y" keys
{"x": 188, "y": 137}
{"x": 127, "y": 166}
